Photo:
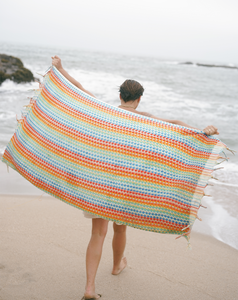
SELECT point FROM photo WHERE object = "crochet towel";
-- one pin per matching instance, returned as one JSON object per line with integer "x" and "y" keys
{"x": 121, "y": 166}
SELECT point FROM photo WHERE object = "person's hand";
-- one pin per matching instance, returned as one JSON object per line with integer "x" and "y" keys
{"x": 56, "y": 61}
{"x": 210, "y": 130}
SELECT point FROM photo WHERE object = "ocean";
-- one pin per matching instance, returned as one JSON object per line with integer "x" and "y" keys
{"x": 198, "y": 96}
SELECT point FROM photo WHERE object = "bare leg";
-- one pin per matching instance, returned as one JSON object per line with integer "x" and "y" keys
{"x": 93, "y": 256}
{"x": 118, "y": 246}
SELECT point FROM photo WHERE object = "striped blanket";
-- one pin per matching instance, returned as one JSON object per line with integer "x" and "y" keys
{"x": 121, "y": 166}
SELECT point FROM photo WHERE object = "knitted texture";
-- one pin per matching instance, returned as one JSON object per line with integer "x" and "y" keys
{"x": 121, "y": 166}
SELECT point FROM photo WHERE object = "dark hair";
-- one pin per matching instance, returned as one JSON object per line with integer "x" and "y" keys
{"x": 131, "y": 90}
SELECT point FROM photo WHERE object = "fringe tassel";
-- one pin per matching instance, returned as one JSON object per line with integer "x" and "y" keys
{"x": 224, "y": 158}
{"x": 205, "y": 195}
{"x": 203, "y": 206}
{"x": 187, "y": 237}
{"x": 214, "y": 178}
{"x": 32, "y": 101}
{"x": 218, "y": 168}
{"x": 232, "y": 151}
{"x": 41, "y": 85}
{"x": 47, "y": 71}
{"x": 185, "y": 234}
{"x": 40, "y": 74}
{"x": 220, "y": 162}
{"x": 28, "y": 105}
{"x": 186, "y": 227}
{"x": 209, "y": 184}
{"x": 178, "y": 237}
{"x": 19, "y": 120}
{"x": 189, "y": 246}
{"x": 224, "y": 153}
{"x": 199, "y": 218}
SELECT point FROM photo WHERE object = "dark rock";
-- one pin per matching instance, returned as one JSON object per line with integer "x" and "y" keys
{"x": 186, "y": 63}
{"x": 12, "y": 68}
{"x": 208, "y": 65}
{"x": 216, "y": 66}
{"x": 2, "y": 77}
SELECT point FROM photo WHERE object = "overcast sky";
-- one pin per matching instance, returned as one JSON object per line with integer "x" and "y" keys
{"x": 201, "y": 30}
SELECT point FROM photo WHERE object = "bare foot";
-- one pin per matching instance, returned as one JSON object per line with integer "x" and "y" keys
{"x": 118, "y": 270}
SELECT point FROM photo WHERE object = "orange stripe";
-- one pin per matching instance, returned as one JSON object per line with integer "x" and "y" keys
{"x": 96, "y": 209}
{"x": 183, "y": 131}
{"x": 102, "y": 189}
{"x": 109, "y": 146}
{"x": 107, "y": 168}
{"x": 112, "y": 214}
{"x": 121, "y": 129}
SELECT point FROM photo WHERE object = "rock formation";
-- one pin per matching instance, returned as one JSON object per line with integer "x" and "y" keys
{"x": 209, "y": 65}
{"x": 12, "y": 68}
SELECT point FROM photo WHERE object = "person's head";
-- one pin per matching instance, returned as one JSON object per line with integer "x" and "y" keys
{"x": 131, "y": 90}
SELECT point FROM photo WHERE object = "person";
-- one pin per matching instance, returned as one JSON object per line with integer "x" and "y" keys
{"x": 131, "y": 92}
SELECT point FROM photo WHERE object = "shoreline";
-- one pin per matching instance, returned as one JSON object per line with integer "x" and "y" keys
{"x": 43, "y": 250}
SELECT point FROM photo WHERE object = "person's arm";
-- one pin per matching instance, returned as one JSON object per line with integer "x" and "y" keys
{"x": 209, "y": 130}
{"x": 56, "y": 61}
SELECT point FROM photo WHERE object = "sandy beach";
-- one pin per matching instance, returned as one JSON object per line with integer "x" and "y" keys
{"x": 43, "y": 246}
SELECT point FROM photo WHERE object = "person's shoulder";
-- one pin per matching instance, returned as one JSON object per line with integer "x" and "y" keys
{"x": 143, "y": 113}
